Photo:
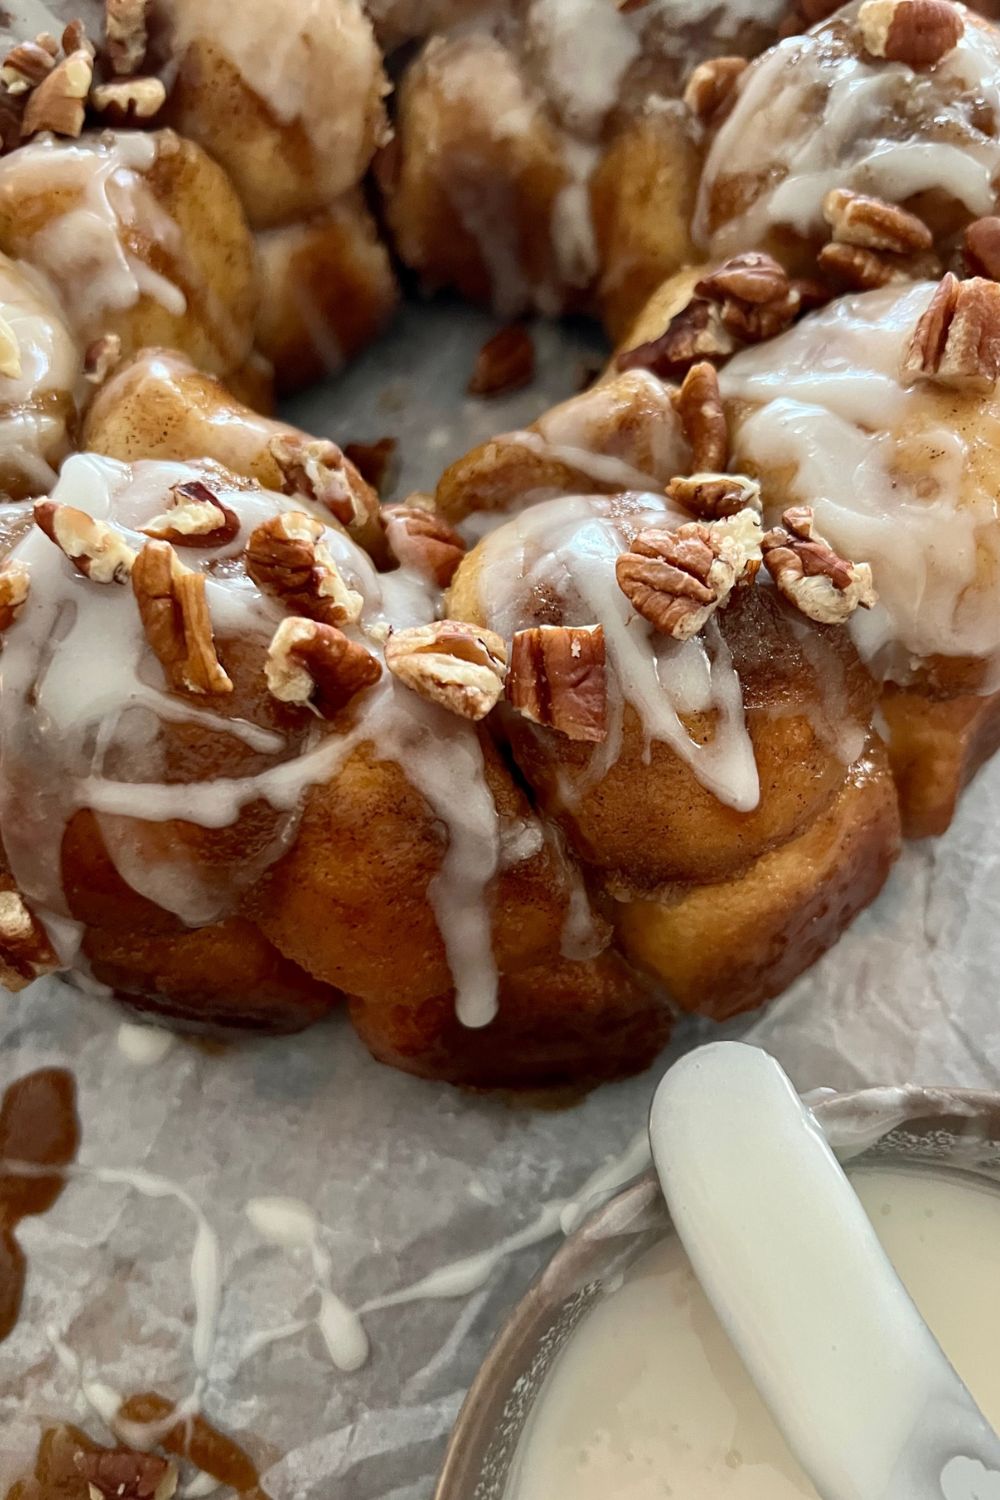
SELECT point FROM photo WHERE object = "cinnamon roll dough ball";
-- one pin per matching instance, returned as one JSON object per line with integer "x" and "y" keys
{"x": 141, "y": 235}
{"x": 476, "y": 178}
{"x": 327, "y": 289}
{"x": 900, "y": 467}
{"x": 820, "y": 112}
{"x": 40, "y": 383}
{"x": 714, "y": 795}
{"x": 622, "y": 434}
{"x": 157, "y": 405}
{"x": 287, "y": 96}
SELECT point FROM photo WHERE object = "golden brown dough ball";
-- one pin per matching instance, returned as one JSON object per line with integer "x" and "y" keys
{"x": 327, "y": 289}
{"x": 287, "y": 96}
{"x": 141, "y": 235}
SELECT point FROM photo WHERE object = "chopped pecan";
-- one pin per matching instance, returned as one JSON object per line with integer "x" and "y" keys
{"x": 96, "y": 550}
{"x": 699, "y": 406}
{"x": 695, "y": 333}
{"x": 75, "y": 39}
{"x": 127, "y": 1476}
{"x": 458, "y": 666}
{"x": 751, "y": 277}
{"x": 14, "y": 584}
{"x": 25, "y": 950}
{"x": 824, "y": 586}
{"x": 421, "y": 540}
{"x": 195, "y": 517}
{"x": 917, "y": 32}
{"x": 25, "y": 66}
{"x": 752, "y": 323}
{"x": 711, "y": 88}
{"x": 982, "y": 248}
{"x": 873, "y": 223}
{"x": 127, "y": 99}
{"x": 125, "y": 35}
{"x": 372, "y": 460}
{"x": 286, "y": 557}
{"x": 957, "y": 340}
{"x": 102, "y": 355}
{"x": 855, "y": 267}
{"x": 317, "y": 468}
{"x": 59, "y": 102}
{"x": 173, "y": 608}
{"x": 711, "y": 497}
{"x": 677, "y": 579}
{"x": 506, "y": 362}
{"x": 10, "y": 351}
{"x": 556, "y": 678}
{"x": 309, "y": 662}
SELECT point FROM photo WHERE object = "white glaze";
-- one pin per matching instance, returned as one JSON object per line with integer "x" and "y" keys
{"x": 568, "y": 548}
{"x": 894, "y": 479}
{"x": 145, "y": 1045}
{"x": 33, "y": 431}
{"x": 785, "y": 1254}
{"x": 674, "y": 1411}
{"x": 816, "y": 118}
{"x": 83, "y": 250}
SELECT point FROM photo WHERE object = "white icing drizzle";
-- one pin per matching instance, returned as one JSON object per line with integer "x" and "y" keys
{"x": 894, "y": 480}
{"x": 145, "y": 1045}
{"x": 811, "y": 116}
{"x": 586, "y": 48}
{"x": 567, "y": 548}
{"x": 67, "y": 707}
{"x": 82, "y": 249}
{"x": 33, "y": 428}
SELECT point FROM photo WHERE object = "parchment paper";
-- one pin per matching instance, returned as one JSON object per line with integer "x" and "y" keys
{"x": 406, "y": 1175}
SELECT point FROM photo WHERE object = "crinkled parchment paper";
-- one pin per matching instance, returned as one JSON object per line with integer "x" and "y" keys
{"x": 404, "y": 1175}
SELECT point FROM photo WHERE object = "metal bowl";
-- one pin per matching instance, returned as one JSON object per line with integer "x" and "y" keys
{"x": 909, "y": 1125}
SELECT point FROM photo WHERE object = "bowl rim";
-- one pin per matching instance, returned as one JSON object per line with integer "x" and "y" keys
{"x": 887, "y": 1105}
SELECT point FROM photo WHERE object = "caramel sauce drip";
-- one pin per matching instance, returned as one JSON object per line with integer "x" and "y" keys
{"x": 38, "y": 1124}
{"x": 56, "y": 1475}
{"x": 203, "y": 1445}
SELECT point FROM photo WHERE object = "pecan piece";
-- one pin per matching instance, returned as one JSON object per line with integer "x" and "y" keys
{"x": 423, "y": 541}
{"x": 173, "y": 608}
{"x": 25, "y": 950}
{"x": 873, "y": 223}
{"x": 128, "y": 99}
{"x": 317, "y": 468}
{"x": 957, "y": 340}
{"x": 711, "y": 497}
{"x": 677, "y": 579}
{"x": 97, "y": 551}
{"x": 458, "y": 666}
{"x": 855, "y": 267}
{"x": 286, "y": 558}
{"x": 59, "y": 102}
{"x": 125, "y": 34}
{"x": 195, "y": 517}
{"x": 806, "y": 570}
{"x": 101, "y": 356}
{"x": 695, "y": 333}
{"x": 982, "y": 248}
{"x": 25, "y": 66}
{"x": 711, "y": 89}
{"x": 127, "y": 1476}
{"x": 917, "y": 32}
{"x": 750, "y": 277}
{"x": 372, "y": 460}
{"x": 556, "y": 678}
{"x": 699, "y": 406}
{"x": 14, "y": 584}
{"x": 506, "y": 362}
{"x": 309, "y": 662}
